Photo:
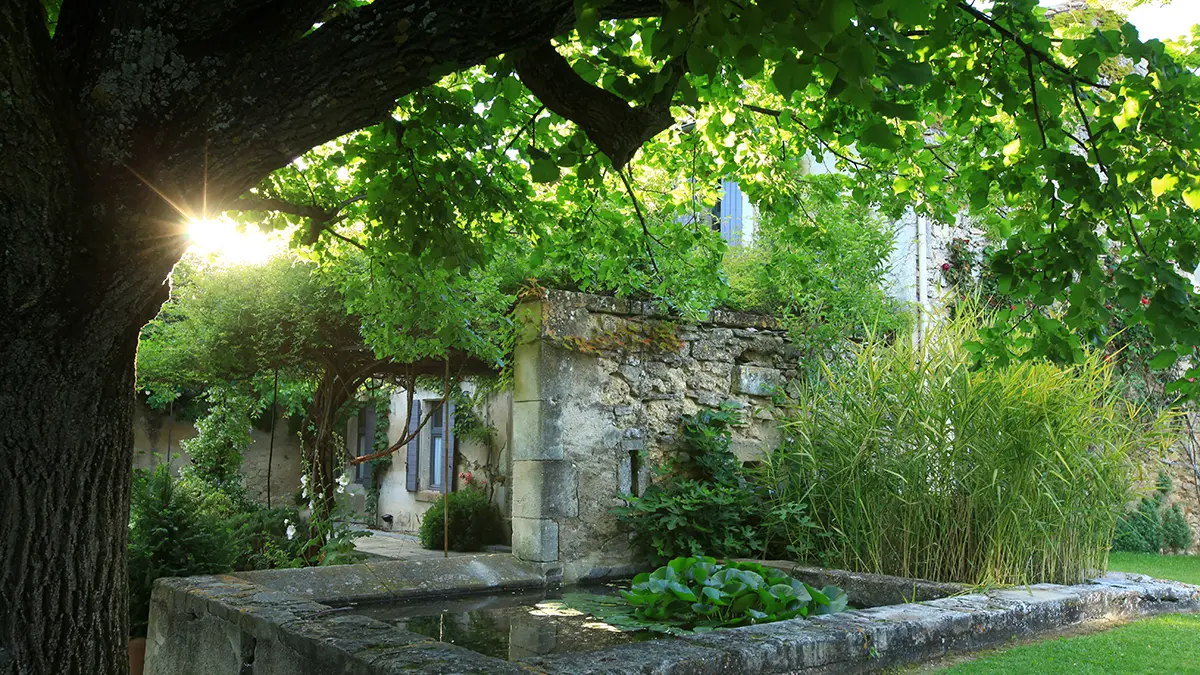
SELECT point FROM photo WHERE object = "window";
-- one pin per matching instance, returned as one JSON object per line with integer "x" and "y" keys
{"x": 425, "y": 461}
{"x": 437, "y": 445}
{"x": 365, "y": 443}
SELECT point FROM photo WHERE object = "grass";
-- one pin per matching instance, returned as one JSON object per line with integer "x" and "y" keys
{"x": 1183, "y": 568}
{"x": 913, "y": 462}
{"x": 1165, "y": 644}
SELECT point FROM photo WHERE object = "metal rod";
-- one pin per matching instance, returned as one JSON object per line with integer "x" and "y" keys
{"x": 271, "y": 445}
{"x": 447, "y": 470}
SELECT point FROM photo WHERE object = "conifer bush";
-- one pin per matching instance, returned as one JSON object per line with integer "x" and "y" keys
{"x": 1177, "y": 534}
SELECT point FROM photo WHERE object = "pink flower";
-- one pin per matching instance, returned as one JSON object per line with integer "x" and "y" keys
{"x": 945, "y": 267}
{"x": 1191, "y": 379}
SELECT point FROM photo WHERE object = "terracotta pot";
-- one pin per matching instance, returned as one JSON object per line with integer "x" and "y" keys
{"x": 137, "y": 655}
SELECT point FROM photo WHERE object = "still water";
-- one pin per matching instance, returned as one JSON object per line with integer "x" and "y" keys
{"x": 508, "y": 625}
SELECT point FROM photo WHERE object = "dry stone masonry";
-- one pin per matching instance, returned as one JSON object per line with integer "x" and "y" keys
{"x": 599, "y": 387}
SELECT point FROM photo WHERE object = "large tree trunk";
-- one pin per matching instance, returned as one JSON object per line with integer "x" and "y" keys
{"x": 66, "y": 434}
{"x": 78, "y": 278}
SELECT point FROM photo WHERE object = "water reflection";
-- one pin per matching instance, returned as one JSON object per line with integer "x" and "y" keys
{"x": 507, "y": 626}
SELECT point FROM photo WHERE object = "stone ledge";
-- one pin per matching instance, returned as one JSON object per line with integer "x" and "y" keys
{"x": 560, "y": 301}
{"x": 867, "y": 640}
{"x": 217, "y": 624}
{"x": 372, "y": 582}
{"x": 869, "y": 590}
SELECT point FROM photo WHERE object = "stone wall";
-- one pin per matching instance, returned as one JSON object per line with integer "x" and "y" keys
{"x": 599, "y": 388}
{"x": 153, "y": 429}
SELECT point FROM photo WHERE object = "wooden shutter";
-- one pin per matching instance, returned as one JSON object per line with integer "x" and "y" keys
{"x": 368, "y": 432}
{"x": 413, "y": 457}
{"x": 731, "y": 213}
{"x": 451, "y": 473}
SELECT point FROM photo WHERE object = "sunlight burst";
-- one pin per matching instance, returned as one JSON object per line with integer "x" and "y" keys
{"x": 220, "y": 237}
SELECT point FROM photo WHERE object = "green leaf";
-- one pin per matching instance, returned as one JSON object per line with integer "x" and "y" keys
{"x": 701, "y": 60}
{"x": 881, "y": 135}
{"x": 1192, "y": 198}
{"x": 840, "y": 14}
{"x": 1164, "y": 359}
{"x": 911, "y": 73}
{"x": 1162, "y": 185}
{"x": 544, "y": 171}
{"x": 791, "y": 76}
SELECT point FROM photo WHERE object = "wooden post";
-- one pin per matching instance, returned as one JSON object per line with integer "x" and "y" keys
{"x": 271, "y": 445}
{"x": 447, "y": 469}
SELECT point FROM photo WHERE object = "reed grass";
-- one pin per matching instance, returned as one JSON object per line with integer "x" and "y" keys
{"x": 913, "y": 463}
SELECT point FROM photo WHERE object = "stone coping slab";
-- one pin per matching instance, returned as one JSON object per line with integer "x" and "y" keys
{"x": 868, "y": 590}
{"x": 400, "y": 579}
{"x": 265, "y": 623}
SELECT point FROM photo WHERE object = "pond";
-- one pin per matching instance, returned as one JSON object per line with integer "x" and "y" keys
{"x": 508, "y": 626}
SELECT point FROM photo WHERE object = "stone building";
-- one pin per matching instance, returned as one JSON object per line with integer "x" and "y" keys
{"x": 599, "y": 385}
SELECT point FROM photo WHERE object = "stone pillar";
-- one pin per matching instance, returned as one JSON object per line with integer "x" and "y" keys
{"x": 537, "y": 453}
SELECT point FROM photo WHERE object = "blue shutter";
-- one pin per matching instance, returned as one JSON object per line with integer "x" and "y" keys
{"x": 413, "y": 456}
{"x": 731, "y": 213}
{"x": 368, "y": 443}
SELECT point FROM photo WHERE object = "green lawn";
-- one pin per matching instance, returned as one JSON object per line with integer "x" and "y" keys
{"x": 1184, "y": 568}
{"x": 1164, "y": 644}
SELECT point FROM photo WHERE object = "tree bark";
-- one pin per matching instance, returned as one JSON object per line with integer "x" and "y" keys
{"x": 65, "y": 439}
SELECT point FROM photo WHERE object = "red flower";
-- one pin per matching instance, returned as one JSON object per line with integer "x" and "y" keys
{"x": 945, "y": 267}
{"x": 1012, "y": 308}
{"x": 1145, "y": 301}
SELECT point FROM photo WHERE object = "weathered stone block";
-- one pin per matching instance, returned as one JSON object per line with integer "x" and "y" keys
{"x": 534, "y": 435}
{"x": 545, "y": 489}
{"x": 703, "y": 350}
{"x": 527, "y": 384}
{"x": 535, "y": 539}
{"x": 757, "y": 381}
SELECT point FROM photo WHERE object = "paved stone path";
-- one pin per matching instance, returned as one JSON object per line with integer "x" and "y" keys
{"x": 398, "y": 546}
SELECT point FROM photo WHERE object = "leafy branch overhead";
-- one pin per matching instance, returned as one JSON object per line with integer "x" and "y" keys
{"x": 1010, "y": 113}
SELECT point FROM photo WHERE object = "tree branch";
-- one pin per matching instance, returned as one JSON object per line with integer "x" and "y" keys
{"x": 775, "y": 113}
{"x": 616, "y": 127}
{"x": 645, "y": 227}
{"x": 1029, "y": 49}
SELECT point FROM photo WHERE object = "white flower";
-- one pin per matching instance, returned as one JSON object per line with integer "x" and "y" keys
{"x": 291, "y": 531}
{"x": 343, "y": 480}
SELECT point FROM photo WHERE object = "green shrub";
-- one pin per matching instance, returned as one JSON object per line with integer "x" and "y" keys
{"x": 1139, "y": 530}
{"x": 474, "y": 521}
{"x": 702, "y": 502}
{"x": 919, "y": 464}
{"x": 818, "y": 261}
{"x": 1177, "y": 534}
{"x": 170, "y": 536}
{"x": 697, "y": 594}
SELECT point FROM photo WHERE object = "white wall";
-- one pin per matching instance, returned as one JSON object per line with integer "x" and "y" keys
{"x": 407, "y": 508}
